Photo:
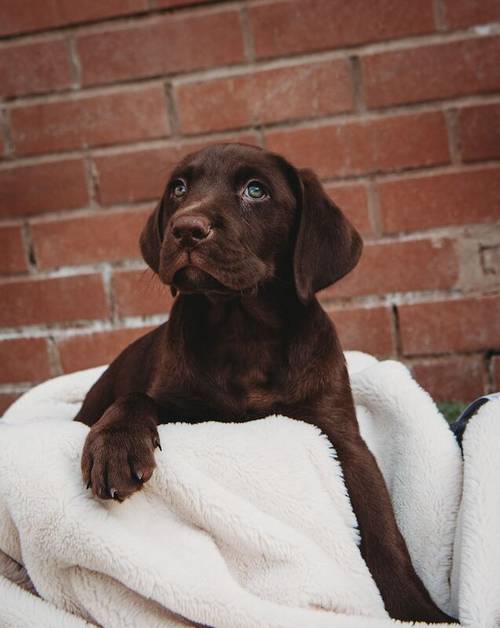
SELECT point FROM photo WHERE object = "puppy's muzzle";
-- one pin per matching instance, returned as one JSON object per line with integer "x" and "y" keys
{"x": 189, "y": 231}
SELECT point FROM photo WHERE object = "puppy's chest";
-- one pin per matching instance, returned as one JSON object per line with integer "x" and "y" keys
{"x": 255, "y": 389}
{"x": 248, "y": 379}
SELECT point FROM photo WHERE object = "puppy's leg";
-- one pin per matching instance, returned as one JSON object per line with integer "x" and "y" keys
{"x": 382, "y": 544}
{"x": 118, "y": 454}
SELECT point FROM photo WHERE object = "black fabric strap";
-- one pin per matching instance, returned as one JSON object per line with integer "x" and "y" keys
{"x": 458, "y": 427}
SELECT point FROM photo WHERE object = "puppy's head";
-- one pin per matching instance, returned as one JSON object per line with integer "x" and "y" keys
{"x": 233, "y": 217}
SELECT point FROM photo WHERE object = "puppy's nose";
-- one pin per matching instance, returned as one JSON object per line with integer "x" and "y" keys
{"x": 190, "y": 230}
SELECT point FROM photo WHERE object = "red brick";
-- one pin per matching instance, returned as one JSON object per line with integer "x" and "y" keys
{"x": 45, "y": 301}
{"x": 12, "y": 253}
{"x": 24, "y": 360}
{"x": 401, "y": 267}
{"x": 294, "y": 26}
{"x": 455, "y": 378}
{"x": 425, "y": 202}
{"x": 133, "y": 175}
{"x": 43, "y": 187}
{"x": 139, "y": 292}
{"x": 286, "y": 93}
{"x": 25, "y": 15}
{"x": 33, "y": 68}
{"x": 115, "y": 118}
{"x": 6, "y": 400}
{"x": 161, "y": 45}
{"x": 353, "y": 201}
{"x": 367, "y": 329}
{"x": 495, "y": 368}
{"x": 463, "y": 13}
{"x": 101, "y": 236}
{"x": 86, "y": 350}
{"x": 141, "y": 174}
{"x": 373, "y": 145}
{"x": 479, "y": 129}
{"x": 445, "y": 326}
{"x": 431, "y": 72}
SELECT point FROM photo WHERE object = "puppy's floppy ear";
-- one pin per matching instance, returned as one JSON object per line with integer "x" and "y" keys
{"x": 327, "y": 245}
{"x": 151, "y": 238}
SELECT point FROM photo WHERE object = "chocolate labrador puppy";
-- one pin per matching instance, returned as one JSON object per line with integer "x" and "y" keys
{"x": 246, "y": 240}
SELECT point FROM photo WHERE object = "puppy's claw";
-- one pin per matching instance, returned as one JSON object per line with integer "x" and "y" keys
{"x": 157, "y": 443}
{"x": 139, "y": 475}
{"x": 114, "y": 495}
{"x": 89, "y": 484}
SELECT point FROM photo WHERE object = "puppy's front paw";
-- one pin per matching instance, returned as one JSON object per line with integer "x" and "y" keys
{"x": 118, "y": 457}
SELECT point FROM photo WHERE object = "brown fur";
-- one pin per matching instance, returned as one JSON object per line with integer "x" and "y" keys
{"x": 246, "y": 338}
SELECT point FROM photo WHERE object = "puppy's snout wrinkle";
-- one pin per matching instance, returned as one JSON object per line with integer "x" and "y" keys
{"x": 189, "y": 230}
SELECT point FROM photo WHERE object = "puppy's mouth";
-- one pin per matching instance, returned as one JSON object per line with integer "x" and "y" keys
{"x": 191, "y": 279}
{"x": 223, "y": 270}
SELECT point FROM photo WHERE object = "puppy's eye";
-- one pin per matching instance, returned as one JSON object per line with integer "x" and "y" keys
{"x": 179, "y": 188}
{"x": 255, "y": 191}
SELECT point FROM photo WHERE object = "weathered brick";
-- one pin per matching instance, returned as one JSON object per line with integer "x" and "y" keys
{"x": 114, "y": 118}
{"x": 304, "y": 90}
{"x": 24, "y": 16}
{"x": 364, "y": 329}
{"x": 92, "y": 237}
{"x": 463, "y": 13}
{"x": 94, "y": 349}
{"x": 139, "y": 292}
{"x": 45, "y": 301}
{"x": 12, "y": 254}
{"x": 34, "y": 67}
{"x": 161, "y": 45}
{"x": 432, "y": 72}
{"x": 353, "y": 201}
{"x": 141, "y": 174}
{"x": 401, "y": 267}
{"x": 479, "y": 129}
{"x": 436, "y": 200}
{"x": 294, "y": 26}
{"x": 24, "y": 360}
{"x": 468, "y": 324}
{"x": 372, "y": 145}
{"x": 454, "y": 378}
{"x": 43, "y": 187}
{"x": 6, "y": 400}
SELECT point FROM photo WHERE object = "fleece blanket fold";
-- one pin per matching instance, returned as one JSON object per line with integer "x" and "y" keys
{"x": 244, "y": 525}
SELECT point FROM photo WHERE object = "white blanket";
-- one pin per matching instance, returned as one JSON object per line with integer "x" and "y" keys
{"x": 245, "y": 525}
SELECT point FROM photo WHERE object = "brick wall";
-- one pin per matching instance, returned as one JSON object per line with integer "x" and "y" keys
{"x": 395, "y": 103}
